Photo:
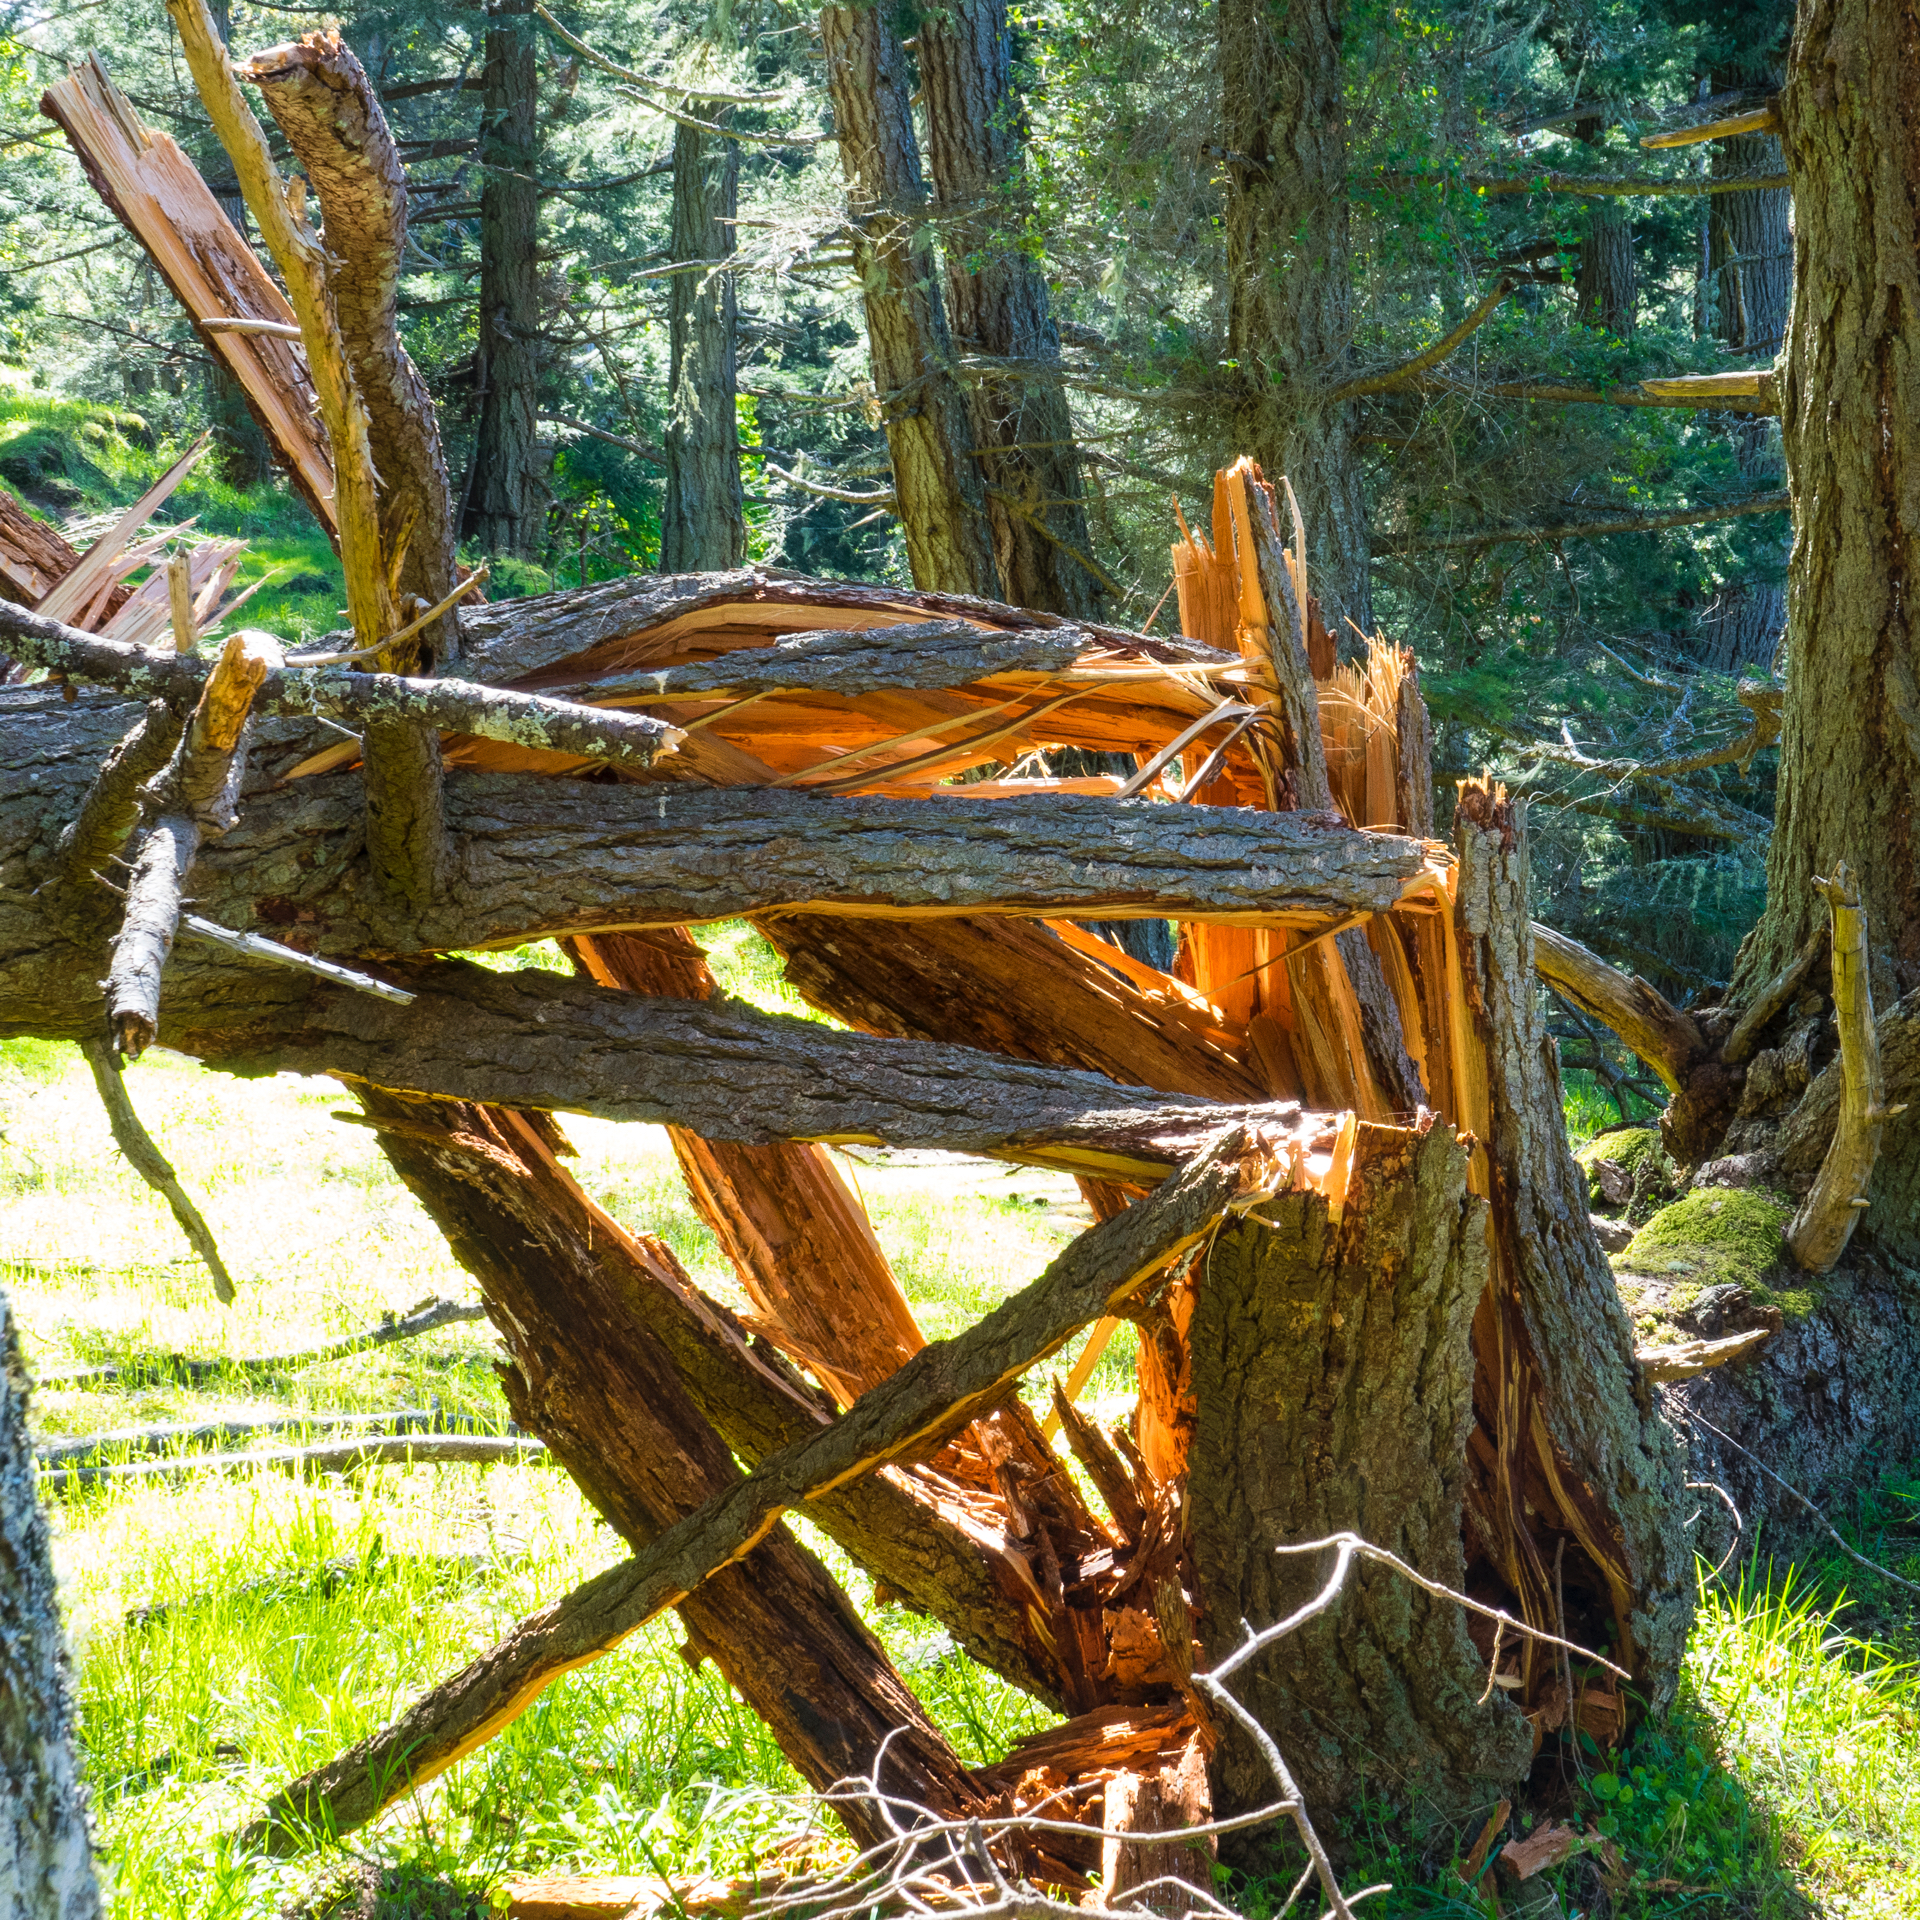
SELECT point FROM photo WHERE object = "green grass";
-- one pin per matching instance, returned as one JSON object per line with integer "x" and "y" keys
{"x": 297, "y": 1615}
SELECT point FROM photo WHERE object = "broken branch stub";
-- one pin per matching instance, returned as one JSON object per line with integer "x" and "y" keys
{"x": 194, "y": 797}
{"x": 933, "y": 1395}
{"x": 1820, "y": 1230}
{"x": 1664, "y": 1037}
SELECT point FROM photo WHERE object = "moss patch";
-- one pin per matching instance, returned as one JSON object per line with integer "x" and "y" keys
{"x": 1713, "y": 1237}
{"x": 1639, "y": 1154}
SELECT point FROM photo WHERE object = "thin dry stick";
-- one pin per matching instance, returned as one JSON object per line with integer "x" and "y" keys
{"x": 150, "y": 1163}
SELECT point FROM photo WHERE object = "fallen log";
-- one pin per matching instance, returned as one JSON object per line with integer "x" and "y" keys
{"x": 339, "y": 1456}
{"x": 427, "y": 1317}
{"x": 934, "y": 1394}
{"x": 169, "y": 1436}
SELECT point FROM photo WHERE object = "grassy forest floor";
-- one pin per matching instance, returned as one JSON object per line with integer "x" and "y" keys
{"x": 232, "y": 1629}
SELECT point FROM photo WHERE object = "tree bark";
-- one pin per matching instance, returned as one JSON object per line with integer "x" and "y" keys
{"x": 46, "y": 1852}
{"x": 1290, "y": 279}
{"x": 587, "y": 1376}
{"x": 506, "y": 499}
{"x": 937, "y": 483}
{"x": 703, "y": 525}
{"x": 1606, "y": 288}
{"x": 1334, "y": 1373}
{"x": 997, "y": 306}
{"x": 1850, "y": 421}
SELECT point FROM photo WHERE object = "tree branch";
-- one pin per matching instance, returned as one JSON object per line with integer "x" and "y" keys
{"x": 1730, "y": 392}
{"x": 1584, "y": 529}
{"x": 1401, "y": 375}
{"x": 1626, "y": 186}
{"x": 1664, "y": 1037}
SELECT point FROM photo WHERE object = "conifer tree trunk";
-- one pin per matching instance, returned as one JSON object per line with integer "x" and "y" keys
{"x": 998, "y": 307}
{"x": 703, "y": 525}
{"x": 1289, "y": 277}
{"x": 942, "y": 501}
{"x": 1850, "y": 421}
{"x": 1751, "y": 252}
{"x": 46, "y": 1855}
{"x": 505, "y": 504}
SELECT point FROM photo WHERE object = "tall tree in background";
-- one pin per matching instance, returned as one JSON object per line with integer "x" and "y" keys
{"x": 1850, "y": 418}
{"x": 46, "y": 1854}
{"x": 703, "y": 521}
{"x": 998, "y": 308}
{"x": 505, "y": 500}
{"x": 1283, "y": 161}
{"x": 940, "y": 494}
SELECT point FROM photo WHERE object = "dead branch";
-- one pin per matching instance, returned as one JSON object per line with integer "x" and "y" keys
{"x": 1628, "y": 186}
{"x": 1664, "y": 1037}
{"x": 1819, "y": 1232}
{"x": 1729, "y": 392}
{"x": 111, "y": 809}
{"x": 150, "y": 1163}
{"x": 1583, "y": 529}
{"x": 169, "y": 1437}
{"x": 934, "y": 1394}
{"x": 194, "y": 797}
{"x": 256, "y": 946}
{"x": 1762, "y": 119}
{"x": 638, "y": 448}
{"x": 1446, "y": 345}
{"x": 1773, "y": 995}
{"x": 1662, "y": 1365}
{"x": 189, "y": 1371}
{"x": 490, "y": 713}
{"x": 340, "y": 1456}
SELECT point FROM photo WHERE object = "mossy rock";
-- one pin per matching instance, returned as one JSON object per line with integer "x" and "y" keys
{"x": 1640, "y": 1155}
{"x": 46, "y": 463}
{"x": 1720, "y": 1236}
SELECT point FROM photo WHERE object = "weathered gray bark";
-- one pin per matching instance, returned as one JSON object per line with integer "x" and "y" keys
{"x": 46, "y": 1853}
{"x": 506, "y": 507}
{"x": 1290, "y": 278}
{"x": 997, "y": 306}
{"x": 703, "y": 519}
{"x": 936, "y": 480}
{"x": 1334, "y": 1371}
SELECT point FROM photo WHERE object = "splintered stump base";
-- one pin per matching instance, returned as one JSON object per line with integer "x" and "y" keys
{"x": 1333, "y": 1368}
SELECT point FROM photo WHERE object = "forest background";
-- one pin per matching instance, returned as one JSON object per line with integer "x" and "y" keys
{"x": 542, "y": 191}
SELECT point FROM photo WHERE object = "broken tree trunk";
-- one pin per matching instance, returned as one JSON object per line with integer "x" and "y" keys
{"x": 935, "y": 1394}
{"x": 606, "y": 1398}
{"x": 1334, "y": 1374}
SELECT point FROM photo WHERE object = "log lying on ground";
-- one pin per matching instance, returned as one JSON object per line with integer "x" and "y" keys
{"x": 170, "y": 1436}
{"x": 337, "y": 1456}
{"x": 533, "y": 1039}
{"x": 937, "y": 1391}
{"x": 620, "y": 739}
{"x": 427, "y": 1317}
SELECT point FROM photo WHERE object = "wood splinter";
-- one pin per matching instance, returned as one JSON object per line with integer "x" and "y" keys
{"x": 1821, "y": 1229}
{"x": 150, "y": 1163}
{"x": 192, "y": 798}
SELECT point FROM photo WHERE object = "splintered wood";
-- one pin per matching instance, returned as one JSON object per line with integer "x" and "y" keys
{"x": 159, "y": 196}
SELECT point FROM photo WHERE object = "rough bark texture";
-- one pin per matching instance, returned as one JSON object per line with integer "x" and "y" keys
{"x": 1606, "y": 287}
{"x": 1569, "y": 1457}
{"x": 587, "y": 1376}
{"x": 1289, "y": 277}
{"x": 703, "y": 520}
{"x": 1850, "y": 422}
{"x": 1333, "y": 1368}
{"x": 320, "y": 96}
{"x": 997, "y": 306}
{"x": 1750, "y": 248}
{"x": 46, "y": 1853}
{"x": 506, "y": 499}
{"x": 937, "y": 483}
